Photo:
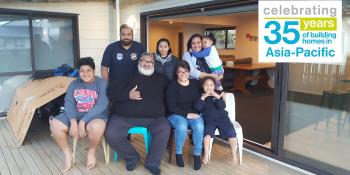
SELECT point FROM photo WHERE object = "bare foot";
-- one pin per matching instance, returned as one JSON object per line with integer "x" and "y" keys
{"x": 235, "y": 160}
{"x": 68, "y": 161}
{"x": 91, "y": 160}
{"x": 205, "y": 159}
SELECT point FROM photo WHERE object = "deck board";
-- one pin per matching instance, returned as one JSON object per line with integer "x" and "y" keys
{"x": 3, "y": 165}
{"x": 52, "y": 165}
{"x": 40, "y": 155}
{"x": 6, "y": 150}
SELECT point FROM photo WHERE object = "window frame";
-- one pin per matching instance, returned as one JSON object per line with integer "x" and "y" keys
{"x": 226, "y": 34}
{"x": 30, "y": 14}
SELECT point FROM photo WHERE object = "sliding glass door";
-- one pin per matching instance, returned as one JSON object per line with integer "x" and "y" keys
{"x": 316, "y": 123}
{"x": 316, "y": 117}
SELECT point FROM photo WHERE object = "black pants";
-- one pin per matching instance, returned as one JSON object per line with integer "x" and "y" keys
{"x": 117, "y": 131}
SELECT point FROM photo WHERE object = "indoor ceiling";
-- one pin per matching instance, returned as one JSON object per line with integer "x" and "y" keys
{"x": 224, "y": 19}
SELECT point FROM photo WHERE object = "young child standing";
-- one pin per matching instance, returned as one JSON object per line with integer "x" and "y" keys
{"x": 212, "y": 58}
{"x": 212, "y": 106}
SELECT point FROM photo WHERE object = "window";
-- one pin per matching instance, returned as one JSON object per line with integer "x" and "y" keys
{"x": 36, "y": 41}
{"x": 225, "y": 37}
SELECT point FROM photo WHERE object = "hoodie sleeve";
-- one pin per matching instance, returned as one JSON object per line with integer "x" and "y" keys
{"x": 69, "y": 101}
{"x": 101, "y": 104}
{"x": 203, "y": 53}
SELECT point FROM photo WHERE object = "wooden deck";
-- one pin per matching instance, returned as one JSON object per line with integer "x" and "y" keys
{"x": 40, "y": 155}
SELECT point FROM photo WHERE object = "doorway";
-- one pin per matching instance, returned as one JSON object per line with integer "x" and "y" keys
{"x": 235, "y": 34}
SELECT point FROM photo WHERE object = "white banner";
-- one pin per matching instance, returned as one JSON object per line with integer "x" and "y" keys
{"x": 300, "y": 31}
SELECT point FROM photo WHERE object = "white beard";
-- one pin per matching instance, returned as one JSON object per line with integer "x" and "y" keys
{"x": 145, "y": 72}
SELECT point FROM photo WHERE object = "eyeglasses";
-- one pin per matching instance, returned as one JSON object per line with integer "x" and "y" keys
{"x": 182, "y": 72}
{"x": 149, "y": 62}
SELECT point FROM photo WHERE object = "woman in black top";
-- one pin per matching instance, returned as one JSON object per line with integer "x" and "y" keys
{"x": 180, "y": 97}
{"x": 166, "y": 63}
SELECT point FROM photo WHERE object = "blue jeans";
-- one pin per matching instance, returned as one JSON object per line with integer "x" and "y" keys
{"x": 181, "y": 125}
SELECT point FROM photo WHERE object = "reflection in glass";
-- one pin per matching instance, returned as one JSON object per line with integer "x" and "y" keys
{"x": 225, "y": 38}
{"x": 14, "y": 44}
{"x": 220, "y": 38}
{"x": 317, "y": 123}
{"x": 231, "y": 39}
{"x": 53, "y": 43}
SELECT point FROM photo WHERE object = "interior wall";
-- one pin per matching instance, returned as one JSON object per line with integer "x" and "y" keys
{"x": 158, "y": 31}
{"x": 245, "y": 47}
{"x": 97, "y": 24}
{"x": 245, "y": 23}
{"x": 190, "y": 29}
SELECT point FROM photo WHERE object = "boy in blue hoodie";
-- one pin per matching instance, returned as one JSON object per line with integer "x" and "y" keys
{"x": 86, "y": 112}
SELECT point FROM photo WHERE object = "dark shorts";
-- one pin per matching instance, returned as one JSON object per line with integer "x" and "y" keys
{"x": 66, "y": 121}
{"x": 223, "y": 124}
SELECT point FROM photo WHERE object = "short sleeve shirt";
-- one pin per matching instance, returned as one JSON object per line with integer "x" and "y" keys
{"x": 122, "y": 63}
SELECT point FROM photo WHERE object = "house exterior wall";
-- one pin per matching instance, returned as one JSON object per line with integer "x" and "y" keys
{"x": 131, "y": 14}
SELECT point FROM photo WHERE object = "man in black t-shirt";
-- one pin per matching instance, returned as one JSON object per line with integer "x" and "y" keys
{"x": 139, "y": 102}
{"x": 120, "y": 58}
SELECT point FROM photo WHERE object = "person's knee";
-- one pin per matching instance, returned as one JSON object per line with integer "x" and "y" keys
{"x": 207, "y": 137}
{"x": 181, "y": 127}
{"x": 56, "y": 127}
{"x": 165, "y": 126}
{"x": 198, "y": 127}
{"x": 112, "y": 134}
{"x": 232, "y": 140}
{"x": 109, "y": 133}
{"x": 96, "y": 126}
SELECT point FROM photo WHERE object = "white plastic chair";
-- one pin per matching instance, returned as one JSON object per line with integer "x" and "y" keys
{"x": 231, "y": 109}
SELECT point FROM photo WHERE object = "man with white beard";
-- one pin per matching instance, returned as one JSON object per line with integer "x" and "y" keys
{"x": 141, "y": 102}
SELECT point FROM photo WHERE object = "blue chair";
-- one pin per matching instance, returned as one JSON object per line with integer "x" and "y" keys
{"x": 138, "y": 130}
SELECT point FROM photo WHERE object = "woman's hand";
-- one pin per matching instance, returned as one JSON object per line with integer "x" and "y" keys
{"x": 73, "y": 130}
{"x": 82, "y": 131}
{"x": 192, "y": 116}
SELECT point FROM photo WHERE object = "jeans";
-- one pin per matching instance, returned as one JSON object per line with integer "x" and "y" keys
{"x": 181, "y": 124}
